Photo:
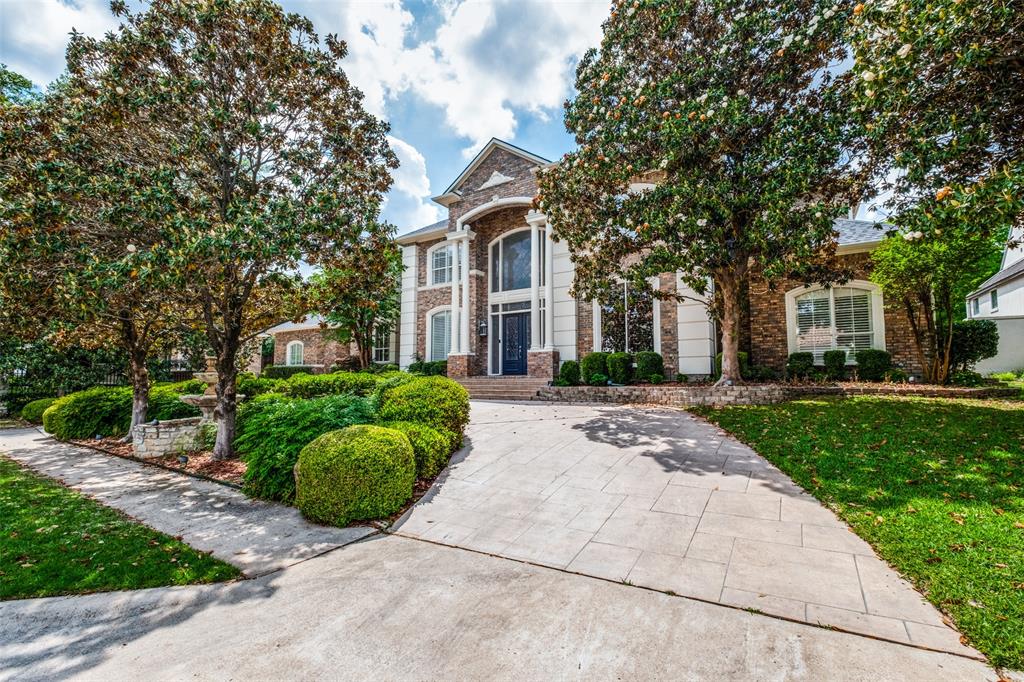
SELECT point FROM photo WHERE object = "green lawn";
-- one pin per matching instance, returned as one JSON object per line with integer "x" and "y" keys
{"x": 55, "y": 541}
{"x": 936, "y": 486}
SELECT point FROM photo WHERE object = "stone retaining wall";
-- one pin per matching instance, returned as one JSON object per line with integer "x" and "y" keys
{"x": 166, "y": 437}
{"x": 751, "y": 394}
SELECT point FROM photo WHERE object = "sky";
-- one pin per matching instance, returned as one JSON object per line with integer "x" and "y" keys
{"x": 448, "y": 75}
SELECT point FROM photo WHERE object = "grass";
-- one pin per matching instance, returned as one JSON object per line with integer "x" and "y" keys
{"x": 55, "y": 541}
{"x": 936, "y": 487}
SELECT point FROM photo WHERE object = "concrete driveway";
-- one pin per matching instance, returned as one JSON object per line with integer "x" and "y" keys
{"x": 660, "y": 499}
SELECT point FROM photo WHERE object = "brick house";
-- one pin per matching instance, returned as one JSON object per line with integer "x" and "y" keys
{"x": 308, "y": 344}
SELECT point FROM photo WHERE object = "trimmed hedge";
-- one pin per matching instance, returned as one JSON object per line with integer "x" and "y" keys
{"x": 165, "y": 403}
{"x": 99, "y": 411}
{"x": 429, "y": 446}
{"x": 33, "y": 411}
{"x": 434, "y": 368}
{"x": 273, "y": 429}
{"x": 872, "y": 364}
{"x": 649, "y": 364}
{"x": 835, "y": 364}
{"x": 744, "y": 359}
{"x": 437, "y": 402}
{"x": 358, "y": 473}
{"x": 314, "y": 385}
{"x": 569, "y": 373}
{"x": 285, "y": 371}
{"x": 594, "y": 363}
{"x": 800, "y": 365}
{"x": 250, "y": 385}
{"x": 620, "y": 368}
{"x": 386, "y": 384}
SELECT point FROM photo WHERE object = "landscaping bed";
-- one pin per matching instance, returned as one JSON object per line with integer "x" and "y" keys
{"x": 935, "y": 485}
{"x": 57, "y": 541}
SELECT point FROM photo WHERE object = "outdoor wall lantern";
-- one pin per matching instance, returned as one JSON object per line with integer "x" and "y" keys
{"x": 481, "y": 328}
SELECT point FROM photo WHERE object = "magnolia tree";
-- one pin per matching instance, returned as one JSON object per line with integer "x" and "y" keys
{"x": 265, "y": 158}
{"x": 360, "y": 296}
{"x": 941, "y": 93}
{"x": 732, "y": 111}
{"x": 80, "y": 262}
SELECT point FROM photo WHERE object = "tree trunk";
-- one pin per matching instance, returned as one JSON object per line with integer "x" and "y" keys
{"x": 227, "y": 400}
{"x": 727, "y": 293}
{"x": 135, "y": 344}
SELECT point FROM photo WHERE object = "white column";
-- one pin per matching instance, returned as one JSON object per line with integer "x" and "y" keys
{"x": 454, "y": 332}
{"x": 532, "y": 218}
{"x": 549, "y": 292}
{"x": 464, "y": 316}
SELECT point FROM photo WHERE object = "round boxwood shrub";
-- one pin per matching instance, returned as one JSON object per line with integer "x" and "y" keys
{"x": 569, "y": 373}
{"x": 620, "y": 368}
{"x": 593, "y": 364}
{"x": 97, "y": 411}
{"x": 835, "y": 364}
{"x": 872, "y": 364}
{"x": 33, "y": 411}
{"x": 430, "y": 447}
{"x": 314, "y": 385}
{"x": 435, "y": 401}
{"x": 357, "y": 473}
{"x": 648, "y": 364}
{"x": 387, "y": 384}
{"x": 800, "y": 365}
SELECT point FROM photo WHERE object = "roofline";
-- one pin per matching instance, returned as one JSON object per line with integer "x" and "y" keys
{"x": 449, "y": 195}
{"x": 987, "y": 287}
{"x": 858, "y": 247}
{"x": 412, "y": 238}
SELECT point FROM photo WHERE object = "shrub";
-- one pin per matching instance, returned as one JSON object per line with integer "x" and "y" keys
{"x": 386, "y": 384}
{"x": 374, "y": 368}
{"x": 762, "y": 373}
{"x": 430, "y": 447}
{"x": 744, "y": 359}
{"x": 361, "y": 472}
{"x": 973, "y": 340}
{"x": 872, "y": 364}
{"x": 437, "y": 402}
{"x": 285, "y": 371}
{"x": 250, "y": 385}
{"x": 595, "y": 363}
{"x": 998, "y": 376}
{"x": 620, "y": 368}
{"x": 649, "y": 363}
{"x": 97, "y": 411}
{"x": 835, "y": 364}
{"x": 272, "y": 431}
{"x": 338, "y": 383}
{"x": 435, "y": 368}
{"x": 682, "y": 378}
{"x": 897, "y": 376}
{"x": 598, "y": 379}
{"x": 800, "y": 365}
{"x": 33, "y": 411}
{"x": 165, "y": 402}
{"x": 569, "y": 373}
{"x": 656, "y": 378}
{"x": 966, "y": 378}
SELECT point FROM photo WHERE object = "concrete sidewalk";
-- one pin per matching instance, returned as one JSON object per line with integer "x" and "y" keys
{"x": 255, "y": 536}
{"x": 391, "y": 608}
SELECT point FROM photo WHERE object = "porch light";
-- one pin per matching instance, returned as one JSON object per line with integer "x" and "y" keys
{"x": 481, "y": 328}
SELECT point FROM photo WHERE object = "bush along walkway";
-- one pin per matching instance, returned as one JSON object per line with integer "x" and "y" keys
{"x": 255, "y": 536}
{"x": 936, "y": 487}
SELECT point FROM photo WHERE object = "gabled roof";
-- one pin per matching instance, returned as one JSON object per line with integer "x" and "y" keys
{"x": 1014, "y": 271}
{"x": 451, "y": 194}
{"x": 439, "y": 227}
{"x": 308, "y": 322}
{"x": 859, "y": 232}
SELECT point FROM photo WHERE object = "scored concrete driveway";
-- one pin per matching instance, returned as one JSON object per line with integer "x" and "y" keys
{"x": 661, "y": 499}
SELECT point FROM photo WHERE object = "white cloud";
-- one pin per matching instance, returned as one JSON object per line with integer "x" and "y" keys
{"x": 35, "y": 33}
{"x": 409, "y": 202}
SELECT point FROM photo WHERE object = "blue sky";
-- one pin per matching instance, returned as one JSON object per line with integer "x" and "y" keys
{"x": 447, "y": 74}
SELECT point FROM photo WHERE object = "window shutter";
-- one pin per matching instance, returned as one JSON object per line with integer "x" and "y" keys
{"x": 853, "y": 320}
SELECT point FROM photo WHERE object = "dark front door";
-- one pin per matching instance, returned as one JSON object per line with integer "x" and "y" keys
{"x": 515, "y": 340}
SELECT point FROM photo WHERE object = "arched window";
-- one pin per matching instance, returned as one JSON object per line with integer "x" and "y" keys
{"x": 439, "y": 335}
{"x": 439, "y": 264}
{"x": 846, "y": 317}
{"x": 295, "y": 353}
{"x": 510, "y": 262}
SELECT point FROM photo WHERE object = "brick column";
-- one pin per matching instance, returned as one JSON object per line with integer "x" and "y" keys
{"x": 542, "y": 364}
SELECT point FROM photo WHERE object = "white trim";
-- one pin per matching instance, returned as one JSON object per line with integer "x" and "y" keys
{"x": 656, "y": 314}
{"x": 493, "y": 205}
{"x": 860, "y": 247}
{"x": 427, "y": 332}
{"x": 288, "y": 353}
{"x": 490, "y": 246}
{"x": 595, "y": 319}
{"x": 430, "y": 264}
{"x": 877, "y": 311}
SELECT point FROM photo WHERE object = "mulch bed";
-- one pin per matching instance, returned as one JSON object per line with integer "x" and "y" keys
{"x": 198, "y": 463}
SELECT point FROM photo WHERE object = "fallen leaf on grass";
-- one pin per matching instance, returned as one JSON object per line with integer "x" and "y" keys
{"x": 958, "y": 518}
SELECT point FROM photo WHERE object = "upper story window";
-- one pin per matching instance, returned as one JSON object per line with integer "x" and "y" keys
{"x": 975, "y": 306}
{"x": 295, "y": 353}
{"x": 847, "y": 318}
{"x": 994, "y": 298}
{"x": 439, "y": 264}
{"x": 510, "y": 262}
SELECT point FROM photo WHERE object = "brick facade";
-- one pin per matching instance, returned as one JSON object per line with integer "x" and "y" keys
{"x": 542, "y": 364}
{"x": 319, "y": 352}
{"x": 668, "y": 309}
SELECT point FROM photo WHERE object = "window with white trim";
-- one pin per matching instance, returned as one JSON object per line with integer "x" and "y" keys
{"x": 382, "y": 346}
{"x": 440, "y": 329}
{"x": 847, "y": 318}
{"x": 975, "y": 306}
{"x": 510, "y": 262}
{"x": 994, "y": 299}
{"x": 441, "y": 260}
{"x": 295, "y": 353}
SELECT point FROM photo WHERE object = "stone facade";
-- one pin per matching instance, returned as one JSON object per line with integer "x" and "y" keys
{"x": 320, "y": 353}
{"x": 167, "y": 437}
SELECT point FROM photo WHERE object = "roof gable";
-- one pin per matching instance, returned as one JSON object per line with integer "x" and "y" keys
{"x": 494, "y": 178}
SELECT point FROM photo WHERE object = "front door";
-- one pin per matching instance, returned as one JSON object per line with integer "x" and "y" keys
{"x": 515, "y": 340}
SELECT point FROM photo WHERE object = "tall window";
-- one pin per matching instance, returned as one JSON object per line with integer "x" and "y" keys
{"x": 441, "y": 265}
{"x": 627, "y": 320}
{"x": 440, "y": 335}
{"x": 295, "y": 353}
{"x": 510, "y": 262}
{"x": 836, "y": 318}
{"x": 975, "y": 306}
{"x": 381, "y": 346}
{"x": 994, "y": 299}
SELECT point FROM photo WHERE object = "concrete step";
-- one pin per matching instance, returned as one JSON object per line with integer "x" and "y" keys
{"x": 502, "y": 388}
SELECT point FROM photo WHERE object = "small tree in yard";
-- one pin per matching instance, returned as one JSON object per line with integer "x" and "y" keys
{"x": 732, "y": 110}
{"x": 266, "y": 157}
{"x": 361, "y": 296}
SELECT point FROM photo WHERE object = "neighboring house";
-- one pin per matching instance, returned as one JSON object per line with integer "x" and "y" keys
{"x": 488, "y": 290}
{"x": 1001, "y": 298}
{"x": 306, "y": 343}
